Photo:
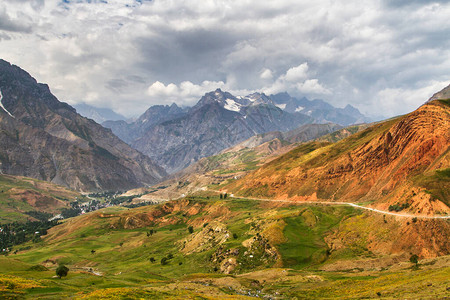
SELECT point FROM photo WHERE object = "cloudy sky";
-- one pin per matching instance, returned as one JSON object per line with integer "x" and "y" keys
{"x": 384, "y": 57}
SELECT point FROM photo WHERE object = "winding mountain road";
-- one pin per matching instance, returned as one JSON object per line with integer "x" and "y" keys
{"x": 348, "y": 204}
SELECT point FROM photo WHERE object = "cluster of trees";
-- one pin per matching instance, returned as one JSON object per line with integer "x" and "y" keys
{"x": 13, "y": 234}
{"x": 398, "y": 207}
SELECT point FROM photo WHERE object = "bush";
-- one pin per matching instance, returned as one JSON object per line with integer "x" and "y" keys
{"x": 164, "y": 261}
{"x": 414, "y": 259}
{"x": 398, "y": 207}
{"x": 62, "y": 271}
{"x": 191, "y": 229}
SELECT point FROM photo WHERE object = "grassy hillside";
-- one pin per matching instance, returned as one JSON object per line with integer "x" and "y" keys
{"x": 400, "y": 161}
{"x": 208, "y": 247}
{"x": 21, "y": 195}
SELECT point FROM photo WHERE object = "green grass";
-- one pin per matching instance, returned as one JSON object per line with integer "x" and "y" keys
{"x": 437, "y": 184}
{"x": 15, "y": 191}
{"x": 123, "y": 255}
{"x": 305, "y": 245}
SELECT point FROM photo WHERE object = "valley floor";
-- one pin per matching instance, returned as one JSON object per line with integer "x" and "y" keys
{"x": 209, "y": 248}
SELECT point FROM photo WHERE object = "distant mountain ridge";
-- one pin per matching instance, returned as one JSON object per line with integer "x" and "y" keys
{"x": 98, "y": 114}
{"x": 43, "y": 138}
{"x": 176, "y": 137}
{"x": 321, "y": 111}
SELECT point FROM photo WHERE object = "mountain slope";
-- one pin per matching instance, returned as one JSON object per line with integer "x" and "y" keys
{"x": 156, "y": 114}
{"x": 240, "y": 160}
{"x": 19, "y": 196}
{"x": 319, "y": 110}
{"x": 401, "y": 163}
{"x": 218, "y": 121}
{"x": 46, "y": 139}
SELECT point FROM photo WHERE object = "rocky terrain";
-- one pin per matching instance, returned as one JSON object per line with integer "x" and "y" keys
{"x": 240, "y": 159}
{"x": 402, "y": 164}
{"x": 176, "y": 137}
{"x": 43, "y": 138}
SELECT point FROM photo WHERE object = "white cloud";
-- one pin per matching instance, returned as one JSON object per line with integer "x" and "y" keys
{"x": 266, "y": 74}
{"x": 296, "y": 74}
{"x": 296, "y": 80}
{"x": 187, "y": 93}
{"x": 393, "y": 100}
{"x": 312, "y": 86}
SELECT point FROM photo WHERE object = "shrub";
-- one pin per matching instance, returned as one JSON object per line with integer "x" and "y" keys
{"x": 414, "y": 259}
{"x": 62, "y": 271}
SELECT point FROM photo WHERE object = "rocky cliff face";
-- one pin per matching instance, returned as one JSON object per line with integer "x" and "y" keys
{"x": 218, "y": 121}
{"x": 404, "y": 161}
{"x": 44, "y": 138}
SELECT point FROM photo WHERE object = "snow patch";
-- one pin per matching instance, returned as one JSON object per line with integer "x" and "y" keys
{"x": 1, "y": 104}
{"x": 232, "y": 105}
{"x": 300, "y": 108}
{"x": 282, "y": 106}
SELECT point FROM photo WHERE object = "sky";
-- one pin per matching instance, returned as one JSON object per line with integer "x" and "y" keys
{"x": 384, "y": 57}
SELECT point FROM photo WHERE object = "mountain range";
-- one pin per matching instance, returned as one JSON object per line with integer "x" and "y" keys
{"x": 177, "y": 137}
{"x": 44, "y": 138}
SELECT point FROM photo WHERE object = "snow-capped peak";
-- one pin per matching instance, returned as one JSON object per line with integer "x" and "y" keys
{"x": 232, "y": 105}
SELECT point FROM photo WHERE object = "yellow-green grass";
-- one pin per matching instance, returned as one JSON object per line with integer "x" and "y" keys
{"x": 13, "y": 205}
{"x": 122, "y": 256}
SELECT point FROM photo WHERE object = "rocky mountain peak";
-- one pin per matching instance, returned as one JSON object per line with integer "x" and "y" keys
{"x": 259, "y": 98}
{"x": 442, "y": 94}
{"x": 47, "y": 139}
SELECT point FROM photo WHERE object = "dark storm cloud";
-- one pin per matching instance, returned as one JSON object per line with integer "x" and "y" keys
{"x": 189, "y": 54}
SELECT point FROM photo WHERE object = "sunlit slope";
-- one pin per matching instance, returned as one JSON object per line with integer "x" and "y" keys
{"x": 226, "y": 248}
{"x": 403, "y": 160}
{"x": 21, "y": 195}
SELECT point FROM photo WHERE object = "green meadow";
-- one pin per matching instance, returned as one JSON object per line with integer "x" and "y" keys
{"x": 277, "y": 251}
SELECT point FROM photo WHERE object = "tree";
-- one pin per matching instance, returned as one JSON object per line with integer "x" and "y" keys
{"x": 62, "y": 271}
{"x": 414, "y": 259}
{"x": 152, "y": 259}
{"x": 164, "y": 261}
{"x": 191, "y": 229}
